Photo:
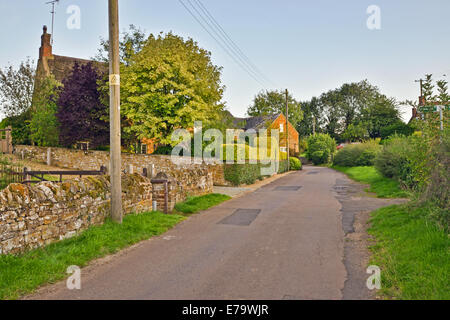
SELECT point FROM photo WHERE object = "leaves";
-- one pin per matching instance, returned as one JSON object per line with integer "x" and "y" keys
{"x": 168, "y": 85}
{"x": 16, "y": 88}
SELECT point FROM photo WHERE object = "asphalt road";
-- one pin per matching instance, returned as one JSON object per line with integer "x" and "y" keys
{"x": 286, "y": 240}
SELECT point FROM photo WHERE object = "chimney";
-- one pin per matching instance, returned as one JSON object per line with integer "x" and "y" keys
{"x": 46, "y": 48}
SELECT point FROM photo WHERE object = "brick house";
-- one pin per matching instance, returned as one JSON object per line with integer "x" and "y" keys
{"x": 277, "y": 121}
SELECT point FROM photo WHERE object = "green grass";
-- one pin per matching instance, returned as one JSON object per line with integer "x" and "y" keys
{"x": 383, "y": 187}
{"x": 412, "y": 252}
{"x": 196, "y": 204}
{"x": 22, "y": 274}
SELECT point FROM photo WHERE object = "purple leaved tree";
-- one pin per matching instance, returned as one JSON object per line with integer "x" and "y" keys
{"x": 81, "y": 114}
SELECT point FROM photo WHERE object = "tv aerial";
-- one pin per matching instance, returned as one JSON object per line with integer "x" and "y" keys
{"x": 53, "y": 12}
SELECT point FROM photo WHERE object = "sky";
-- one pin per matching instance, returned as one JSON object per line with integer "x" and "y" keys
{"x": 308, "y": 47}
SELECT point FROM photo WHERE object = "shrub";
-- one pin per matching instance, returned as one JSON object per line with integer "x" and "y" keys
{"x": 163, "y": 150}
{"x": 400, "y": 128}
{"x": 239, "y": 174}
{"x": 402, "y": 158}
{"x": 295, "y": 164}
{"x": 357, "y": 155}
{"x": 321, "y": 148}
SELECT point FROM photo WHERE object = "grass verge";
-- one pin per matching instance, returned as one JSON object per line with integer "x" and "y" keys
{"x": 196, "y": 204}
{"x": 22, "y": 274}
{"x": 383, "y": 187}
{"x": 412, "y": 252}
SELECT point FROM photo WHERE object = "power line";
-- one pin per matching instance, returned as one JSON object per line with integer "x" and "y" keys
{"x": 232, "y": 43}
{"x": 218, "y": 42}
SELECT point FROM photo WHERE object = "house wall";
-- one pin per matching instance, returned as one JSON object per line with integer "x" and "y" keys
{"x": 293, "y": 134}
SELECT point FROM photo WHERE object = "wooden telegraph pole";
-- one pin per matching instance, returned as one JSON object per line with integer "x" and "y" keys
{"x": 114, "y": 112}
{"x": 287, "y": 128}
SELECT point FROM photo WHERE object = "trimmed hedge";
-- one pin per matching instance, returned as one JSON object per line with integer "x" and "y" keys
{"x": 239, "y": 174}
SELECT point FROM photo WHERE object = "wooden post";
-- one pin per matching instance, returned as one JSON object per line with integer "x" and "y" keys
{"x": 114, "y": 85}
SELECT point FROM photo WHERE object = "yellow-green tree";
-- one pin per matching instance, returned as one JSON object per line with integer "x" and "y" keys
{"x": 169, "y": 84}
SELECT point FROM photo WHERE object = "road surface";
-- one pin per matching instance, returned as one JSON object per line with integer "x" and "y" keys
{"x": 294, "y": 238}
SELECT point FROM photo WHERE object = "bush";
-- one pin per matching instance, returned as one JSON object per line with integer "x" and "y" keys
{"x": 399, "y": 128}
{"x": 357, "y": 155}
{"x": 321, "y": 148}
{"x": 295, "y": 164}
{"x": 239, "y": 174}
{"x": 396, "y": 160}
{"x": 163, "y": 150}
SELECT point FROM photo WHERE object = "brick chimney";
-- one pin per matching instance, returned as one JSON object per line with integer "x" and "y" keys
{"x": 46, "y": 48}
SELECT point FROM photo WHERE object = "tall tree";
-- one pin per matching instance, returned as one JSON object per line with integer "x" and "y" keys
{"x": 274, "y": 102}
{"x": 131, "y": 42}
{"x": 44, "y": 126}
{"x": 81, "y": 114}
{"x": 16, "y": 88}
{"x": 168, "y": 85}
{"x": 312, "y": 116}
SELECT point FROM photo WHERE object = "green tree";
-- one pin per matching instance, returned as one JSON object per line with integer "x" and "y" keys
{"x": 44, "y": 125}
{"x": 312, "y": 112}
{"x": 131, "y": 42}
{"x": 356, "y": 132}
{"x": 442, "y": 87}
{"x": 168, "y": 85}
{"x": 16, "y": 88}
{"x": 274, "y": 102}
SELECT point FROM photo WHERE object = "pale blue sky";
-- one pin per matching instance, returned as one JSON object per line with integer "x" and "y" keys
{"x": 306, "y": 46}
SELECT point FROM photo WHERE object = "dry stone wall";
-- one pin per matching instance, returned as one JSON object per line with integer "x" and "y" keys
{"x": 32, "y": 216}
{"x": 186, "y": 173}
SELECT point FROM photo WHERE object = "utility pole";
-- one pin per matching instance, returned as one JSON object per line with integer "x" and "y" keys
{"x": 287, "y": 128}
{"x": 114, "y": 112}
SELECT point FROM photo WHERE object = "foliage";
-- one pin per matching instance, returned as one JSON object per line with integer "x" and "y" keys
{"x": 295, "y": 163}
{"x": 356, "y": 109}
{"x": 16, "y": 88}
{"x": 24, "y": 273}
{"x": 273, "y": 103}
{"x": 44, "y": 126}
{"x": 412, "y": 253}
{"x": 354, "y": 155}
{"x": 21, "y": 127}
{"x": 321, "y": 148}
{"x": 399, "y": 128}
{"x": 196, "y": 204}
{"x": 81, "y": 114}
{"x": 239, "y": 174}
{"x": 355, "y": 132}
{"x": 312, "y": 116}
{"x": 168, "y": 85}
{"x": 130, "y": 43}
{"x": 383, "y": 187}
{"x": 404, "y": 159}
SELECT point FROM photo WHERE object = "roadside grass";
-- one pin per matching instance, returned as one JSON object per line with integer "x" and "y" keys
{"x": 22, "y": 274}
{"x": 196, "y": 204}
{"x": 383, "y": 187}
{"x": 412, "y": 252}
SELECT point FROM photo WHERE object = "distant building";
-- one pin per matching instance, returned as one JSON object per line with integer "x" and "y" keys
{"x": 277, "y": 121}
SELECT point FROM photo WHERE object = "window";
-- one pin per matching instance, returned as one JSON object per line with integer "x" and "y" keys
{"x": 144, "y": 149}
{"x": 281, "y": 127}
{"x": 283, "y": 149}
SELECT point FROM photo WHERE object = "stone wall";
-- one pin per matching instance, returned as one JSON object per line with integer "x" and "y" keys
{"x": 36, "y": 215}
{"x": 183, "y": 171}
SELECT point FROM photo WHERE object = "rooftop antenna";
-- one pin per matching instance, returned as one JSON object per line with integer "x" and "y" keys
{"x": 53, "y": 12}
